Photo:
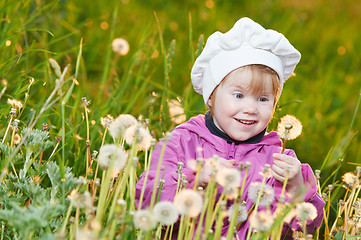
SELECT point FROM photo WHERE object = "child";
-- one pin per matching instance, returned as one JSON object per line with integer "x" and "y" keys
{"x": 240, "y": 75}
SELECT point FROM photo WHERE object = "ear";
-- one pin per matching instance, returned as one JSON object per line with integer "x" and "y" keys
{"x": 209, "y": 102}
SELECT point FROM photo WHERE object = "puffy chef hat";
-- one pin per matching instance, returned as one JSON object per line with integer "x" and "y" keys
{"x": 245, "y": 44}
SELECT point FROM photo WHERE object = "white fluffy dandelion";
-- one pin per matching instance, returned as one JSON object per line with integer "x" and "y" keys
{"x": 165, "y": 213}
{"x": 144, "y": 220}
{"x": 176, "y": 111}
{"x": 262, "y": 221}
{"x": 228, "y": 177}
{"x": 112, "y": 154}
{"x": 143, "y": 137}
{"x": 188, "y": 202}
{"x": 80, "y": 200}
{"x": 241, "y": 214}
{"x": 306, "y": 211}
{"x": 120, "y": 124}
{"x": 289, "y": 127}
{"x": 120, "y": 46}
{"x": 267, "y": 194}
{"x": 231, "y": 192}
{"x": 85, "y": 234}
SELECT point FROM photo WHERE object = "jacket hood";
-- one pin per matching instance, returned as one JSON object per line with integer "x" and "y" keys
{"x": 197, "y": 125}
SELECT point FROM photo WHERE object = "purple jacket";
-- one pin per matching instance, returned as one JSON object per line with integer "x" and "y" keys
{"x": 193, "y": 135}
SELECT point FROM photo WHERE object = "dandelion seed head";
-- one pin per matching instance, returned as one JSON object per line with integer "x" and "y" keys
{"x": 143, "y": 137}
{"x": 176, "y": 111}
{"x": 228, "y": 177}
{"x": 350, "y": 179}
{"x": 80, "y": 200}
{"x": 188, "y": 202}
{"x": 17, "y": 138}
{"x": 289, "y": 127}
{"x": 262, "y": 221}
{"x": 306, "y": 211}
{"x": 85, "y": 234}
{"x": 144, "y": 220}
{"x": 121, "y": 202}
{"x": 358, "y": 170}
{"x": 112, "y": 154}
{"x": 15, "y": 103}
{"x": 231, "y": 192}
{"x": 267, "y": 194}
{"x": 192, "y": 164}
{"x": 241, "y": 214}
{"x": 120, "y": 124}
{"x": 82, "y": 181}
{"x": 317, "y": 174}
{"x": 120, "y": 46}
{"x": 267, "y": 172}
{"x": 165, "y": 213}
{"x": 105, "y": 121}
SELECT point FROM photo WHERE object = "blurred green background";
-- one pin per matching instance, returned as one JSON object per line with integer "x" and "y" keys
{"x": 323, "y": 94}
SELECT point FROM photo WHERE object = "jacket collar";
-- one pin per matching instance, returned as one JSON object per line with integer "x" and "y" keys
{"x": 198, "y": 126}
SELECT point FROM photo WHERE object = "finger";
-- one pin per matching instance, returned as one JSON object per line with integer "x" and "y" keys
{"x": 279, "y": 171}
{"x": 278, "y": 177}
{"x": 281, "y": 164}
{"x": 284, "y": 158}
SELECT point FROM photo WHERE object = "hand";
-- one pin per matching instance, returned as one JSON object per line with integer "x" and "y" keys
{"x": 283, "y": 163}
{"x": 206, "y": 171}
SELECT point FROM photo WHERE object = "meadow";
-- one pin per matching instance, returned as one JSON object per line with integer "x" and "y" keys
{"x": 57, "y": 60}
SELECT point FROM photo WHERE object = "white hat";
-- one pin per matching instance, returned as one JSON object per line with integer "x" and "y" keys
{"x": 245, "y": 44}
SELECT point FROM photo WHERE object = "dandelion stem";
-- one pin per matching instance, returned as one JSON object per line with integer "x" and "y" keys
{"x": 215, "y": 212}
{"x": 67, "y": 217}
{"x": 285, "y": 183}
{"x": 7, "y": 129}
{"x": 145, "y": 184}
{"x": 211, "y": 194}
{"x": 283, "y": 146}
{"x": 232, "y": 224}
{"x": 196, "y": 178}
{"x": 155, "y": 183}
{"x": 199, "y": 227}
{"x": 219, "y": 224}
{"x": 103, "y": 193}
{"x": 236, "y": 205}
{"x": 257, "y": 203}
{"x": 171, "y": 232}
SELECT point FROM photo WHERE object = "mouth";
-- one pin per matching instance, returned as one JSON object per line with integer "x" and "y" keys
{"x": 247, "y": 122}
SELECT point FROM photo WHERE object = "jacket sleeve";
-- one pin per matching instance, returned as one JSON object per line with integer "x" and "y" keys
{"x": 173, "y": 153}
{"x": 310, "y": 196}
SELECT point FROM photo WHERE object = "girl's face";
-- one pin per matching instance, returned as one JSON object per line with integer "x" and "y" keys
{"x": 237, "y": 110}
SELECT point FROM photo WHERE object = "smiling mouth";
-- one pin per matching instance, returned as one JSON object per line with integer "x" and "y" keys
{"x": 248, "y": 122}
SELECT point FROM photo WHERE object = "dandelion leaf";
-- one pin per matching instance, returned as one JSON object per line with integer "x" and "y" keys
{"x": 338, "y": 235}
{"x": 65, "y": 185}
{"x": 7, "y": 150}
{"x": 36, "y": 140}
{"x": 31, "y": 219}
{"x": 30, "y": 190}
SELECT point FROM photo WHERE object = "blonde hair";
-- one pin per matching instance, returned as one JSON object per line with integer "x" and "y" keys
{"x": 258, "y": 83}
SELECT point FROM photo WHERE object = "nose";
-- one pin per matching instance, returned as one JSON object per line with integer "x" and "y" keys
{"x": 250, "y": 106}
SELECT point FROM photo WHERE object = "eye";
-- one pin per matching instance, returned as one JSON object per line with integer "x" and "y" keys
{"x": 238, "y": 95}
{"x": 263, "y": 99}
